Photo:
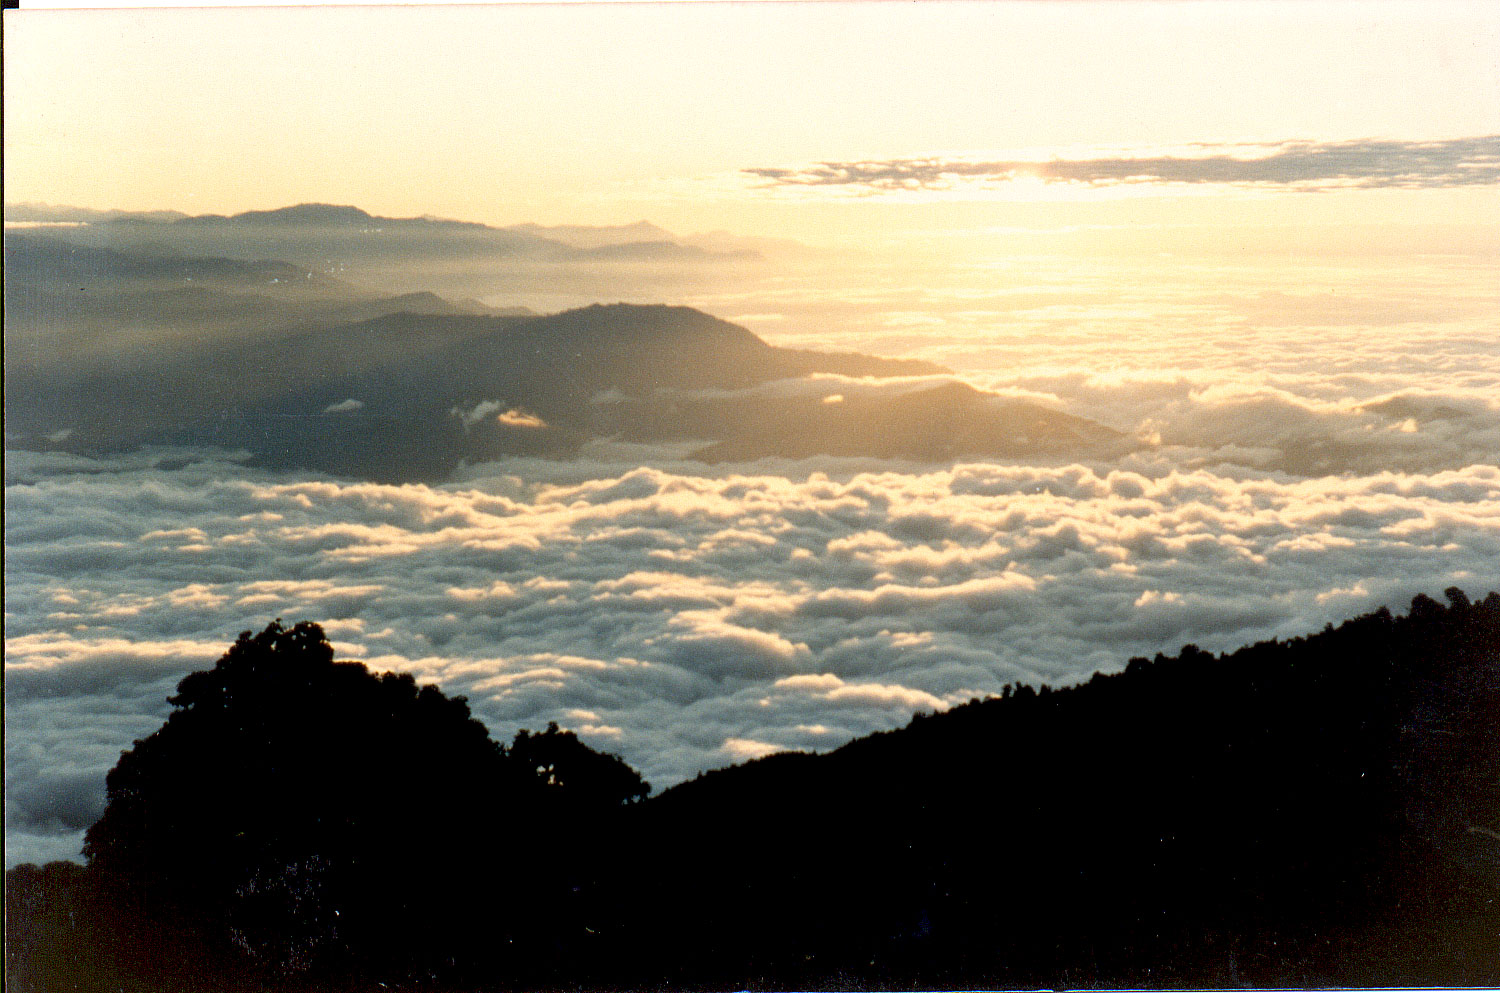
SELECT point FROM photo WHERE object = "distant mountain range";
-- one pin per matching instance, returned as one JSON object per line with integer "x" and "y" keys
{"x": 108, "y": 349}
{"x": 311, "y": 232}
{"x": 46, "y": 213}
{"x": 715, "y": 243}
{"x": 584, "y": 236}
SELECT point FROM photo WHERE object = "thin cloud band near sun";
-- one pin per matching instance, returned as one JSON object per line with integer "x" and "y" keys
{"x": 1288, "y": 165}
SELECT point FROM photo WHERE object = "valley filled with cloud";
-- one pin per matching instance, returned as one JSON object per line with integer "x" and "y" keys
{"x": 1302, "y": 442}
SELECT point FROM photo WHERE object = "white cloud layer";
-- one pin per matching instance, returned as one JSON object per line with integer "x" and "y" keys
{"x": 682, "y": 619}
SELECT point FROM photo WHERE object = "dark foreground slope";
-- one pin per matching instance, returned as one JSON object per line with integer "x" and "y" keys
{"x": 302, "y": 820}
{"x": 1321, "y": 811}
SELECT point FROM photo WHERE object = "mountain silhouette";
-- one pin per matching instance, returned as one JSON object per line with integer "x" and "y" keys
{"x": 1318, "y": 811}
{"x": 932, "y": 424}
{"x": 580, "y": 236}
{"x": 108, "y": 350}
{"x": 311, "y": 232}
{"x": 303, "y": 213}
{"x": 456, "y": 259}
{"x": 45, "y": 213}
{"x": 31, "y": 261}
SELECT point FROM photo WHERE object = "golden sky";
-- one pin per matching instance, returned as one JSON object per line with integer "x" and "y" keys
{"x": 612, "y": 113}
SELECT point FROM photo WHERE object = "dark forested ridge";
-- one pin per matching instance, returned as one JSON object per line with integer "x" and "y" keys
{"x": 1319, "y": 811}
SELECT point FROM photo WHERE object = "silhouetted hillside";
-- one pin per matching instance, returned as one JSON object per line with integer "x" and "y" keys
{"x": 1319, "y": 811}
{"x": 30, "y": 259}
{"x": 932, "y": 424}
{"x": 99, "y": 275}
{"x": 110, "y": 350}
{"x": 584, "y": 236}
{"x": 319, "y": 214}
{"x": 656, "y": 251}
{"x": 69, "y": 305}
{"x": 45, "y": 213}
{"x": 297, "y": 816}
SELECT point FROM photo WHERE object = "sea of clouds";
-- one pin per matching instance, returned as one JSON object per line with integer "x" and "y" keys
{"x": 1302, "y": 459}
{"x": 684, "y": 621}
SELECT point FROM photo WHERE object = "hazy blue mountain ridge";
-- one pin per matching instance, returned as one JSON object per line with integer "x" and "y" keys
{"x": 111, "y": 349}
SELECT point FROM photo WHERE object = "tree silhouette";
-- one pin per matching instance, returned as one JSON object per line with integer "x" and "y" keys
{"x": 312, "y": 814}
{"x": 573, "y": 774}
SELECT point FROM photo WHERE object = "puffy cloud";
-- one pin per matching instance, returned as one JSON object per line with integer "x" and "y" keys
{"x": 831, "y": 688}
{"x": 344, "y": 406}
{"x": 479, "y": 412}
{"x": 518, "y": 418}
{"x": 1366, "y": 163}
{"x": 499, "y": 413}
{"x": 742, "y": 749}
{"x": 1272, "y": 428}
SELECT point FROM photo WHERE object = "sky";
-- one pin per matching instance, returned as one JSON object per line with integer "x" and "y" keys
{"x": 1263, "y": 239}
{"x": 590, "y": 114}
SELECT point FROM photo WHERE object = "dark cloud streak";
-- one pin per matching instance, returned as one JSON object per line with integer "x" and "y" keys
{"x": 1361, "y": 164}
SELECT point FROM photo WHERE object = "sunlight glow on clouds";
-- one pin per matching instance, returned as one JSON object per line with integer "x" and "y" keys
{"x": 517, "y": 418}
